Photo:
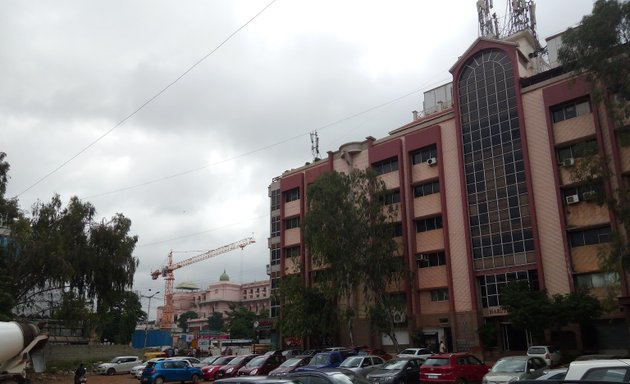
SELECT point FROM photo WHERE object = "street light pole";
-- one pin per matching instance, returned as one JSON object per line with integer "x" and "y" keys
{"x": 146, "y": 324}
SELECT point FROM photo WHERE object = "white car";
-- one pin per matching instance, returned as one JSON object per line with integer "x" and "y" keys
{"x": 550, "y": 354}
{"x": 120, "y": 364}
{"x": 136, "y": 371}
{"x": 195, "y": 362}
{"x": 617, "y": 370}
{"x": 423, "y": 353}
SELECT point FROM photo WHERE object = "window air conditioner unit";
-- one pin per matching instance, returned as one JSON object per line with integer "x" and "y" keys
{"x": 572, "y": 199}
{"x": 432, "y": 161}
{"x": 568, "y": 162}
{"x": 589, "y": 195}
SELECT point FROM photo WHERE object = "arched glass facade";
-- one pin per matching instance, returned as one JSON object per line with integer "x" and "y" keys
{"x": 498, "y": 203}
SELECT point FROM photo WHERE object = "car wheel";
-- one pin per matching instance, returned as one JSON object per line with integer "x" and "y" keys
{"x": 460, "y": 381}
{"x": 111, "y": 371}
{"x": 159, "y": 380}
{"x": 194, "y": 379}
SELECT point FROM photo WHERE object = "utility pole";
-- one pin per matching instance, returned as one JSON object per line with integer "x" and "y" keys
{"x": 146, "y": 324}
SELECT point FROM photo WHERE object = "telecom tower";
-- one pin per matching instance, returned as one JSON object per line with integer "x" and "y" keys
{"x": 521, "y": 16}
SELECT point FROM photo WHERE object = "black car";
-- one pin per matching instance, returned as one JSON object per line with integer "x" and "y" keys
{"x": 399, "y": 370}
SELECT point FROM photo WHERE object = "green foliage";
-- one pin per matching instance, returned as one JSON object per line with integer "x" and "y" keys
{"x": 533, "y": 310}
{"x": 216, "y": 322}
{"x": 488, "y": 335}
{"x": 307, "y": 312}
{"x": 65, "y": 250}
{"x": 349, "y": 228}
{"x": 182, "y": 320}
{"x": 600, "y": 48}
{"x": 240, "y": 322}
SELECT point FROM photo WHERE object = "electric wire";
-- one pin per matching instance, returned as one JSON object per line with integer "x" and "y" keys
{"x": 147, "y": 102}
{"x": 260, "y": 149}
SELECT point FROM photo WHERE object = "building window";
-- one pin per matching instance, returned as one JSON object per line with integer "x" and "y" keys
{"x": 491, "y": 285}
{"x": 291, "y": 195}
{"x": 570, "y": 110}
{"x": 434, "y": 259}
{"x": 596, "y": 280}
{"x": 426, "y": 189}
{"x": 439, "y": 294}
{"x": 494, "y": 169}
{"x": 275, "y": 254}
{"x": 423, "y": 154}
{"x": 386, "y": 166}
{"x": 275, "y": 199}
{"x": 398, "y": 229}
{"x": 275, "y": 226}
{"x": 589, "y": 237}
{"x": 291, "y": 223}
{"x": 574, "y": 195}
{"x": 429, "y": 224}
{"x": 292, "y": 252}
{"x": 567, "y": 155}
{"x": 392, "y": 197}
{"x": 275, "y": 308}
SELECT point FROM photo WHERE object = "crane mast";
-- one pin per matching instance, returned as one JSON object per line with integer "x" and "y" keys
{"x": 167, "y": 273}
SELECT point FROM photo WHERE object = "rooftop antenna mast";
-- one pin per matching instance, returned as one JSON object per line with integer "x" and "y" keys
{"x": 488, "y": 24}
{"x": 315, "y": 145}
{"x": 522, "y": 16}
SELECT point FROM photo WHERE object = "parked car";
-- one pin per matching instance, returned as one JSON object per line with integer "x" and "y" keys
{"x": 260, "y": 365}
{"x": 120, "y": 364}
{"x": 422, "y": 353}
{"x": 321, "y": 360}
{"x": 209, "y": 360}
{"x": 170, "y": 370}
{"x": 550, "y": 354}
{"x": 453, "y": 367}
{"x": 291, "y": 365}
{"x": 255, "y": 380}
{"x": 599, "y": 370}
{"x": 397, "y": 370}
{"x": 512, "y": 368}
{"x": 553, "y": 374}
{"x": 289, "y": 353}
{"x": 374, "y": 351}
{"x": 137, "y": 370}
{"x": 230, "y": 369}
{"x": 362, "y": 364}
{"x": 210, "y": 371}
{"x": 327, "y": 376}
{"x": 195, "y": 362}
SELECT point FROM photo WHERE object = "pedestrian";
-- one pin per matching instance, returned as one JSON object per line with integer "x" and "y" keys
{"x": 79, "y": 373}
{"x": 442, "y": 347}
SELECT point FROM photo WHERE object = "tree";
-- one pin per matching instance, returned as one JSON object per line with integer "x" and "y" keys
{"x": 599, "y": 47}
{"x": 307, "y": 312}
{"x": 182, "y": 320}
{"x": 240, "y": 322}
{"x": 348, "y": 228}
{"x": 66, "y": 255}
{"x": 118, "y": 322}
{"x": 216, "y": 322}
{"x": 533, "y": 310}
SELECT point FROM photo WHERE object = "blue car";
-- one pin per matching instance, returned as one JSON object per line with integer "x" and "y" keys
{"x": 170, "y": 370}
{"x": 321, "y": 360}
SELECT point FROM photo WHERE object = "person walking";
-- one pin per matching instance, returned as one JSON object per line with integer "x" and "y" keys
{"x": 442, "y": 347}
{"x": 79, "y": 373}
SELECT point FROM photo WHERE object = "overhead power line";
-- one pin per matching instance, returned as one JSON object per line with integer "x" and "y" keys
{"x": 147, "y": 102}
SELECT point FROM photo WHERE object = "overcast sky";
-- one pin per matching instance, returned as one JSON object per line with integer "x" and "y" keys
{"x": 191, "y": 168}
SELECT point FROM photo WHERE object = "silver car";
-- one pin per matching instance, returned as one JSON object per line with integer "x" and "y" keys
{"x": 362, "y": 364}
{"x": 512, "y": 368}
{"x": 120, "y": 364}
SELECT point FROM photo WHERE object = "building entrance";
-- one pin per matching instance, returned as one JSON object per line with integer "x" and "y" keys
{"x": 513, "y": 339}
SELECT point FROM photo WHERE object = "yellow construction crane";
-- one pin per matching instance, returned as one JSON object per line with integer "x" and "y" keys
{"x": 167, "y": 273}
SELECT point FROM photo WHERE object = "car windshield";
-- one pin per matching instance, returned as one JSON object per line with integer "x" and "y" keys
{"x": 395, "y": 364}
{"x": 257, "y": 362}
{"x": 340, "y": 378}
{"x": 209, "y": 360}
{"x": 237, "y": 360}
{"x": 509, "y": 366}
{"x": 223, "y": 360}
{"x": 319, "y": 359}
{"x": 536, "y": 350}
{"x": 436, "y": 362}
{"x": 115, "y": 360}
{"x": 291, "y": 363}
{"x": 352, "y": 362}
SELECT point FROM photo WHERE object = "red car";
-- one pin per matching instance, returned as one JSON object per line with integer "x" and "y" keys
{"x": 290, "y": 365}
{"x": 452, "y": 368}
{"x": 260, "y": 365}
{"x": 230, "y": 369}
{"x": 210, "y": 371}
